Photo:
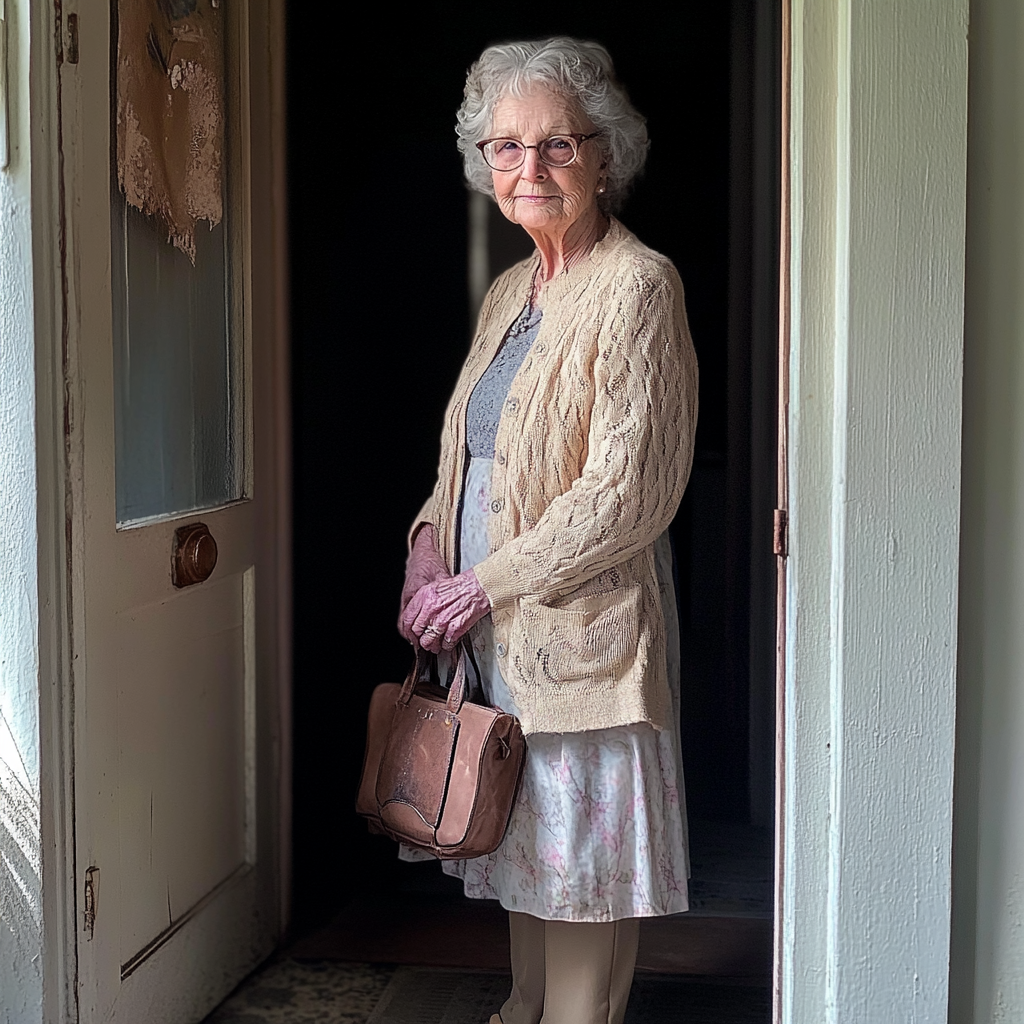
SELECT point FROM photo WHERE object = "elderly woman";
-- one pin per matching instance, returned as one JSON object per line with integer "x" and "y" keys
{"x": 566, "y": 447}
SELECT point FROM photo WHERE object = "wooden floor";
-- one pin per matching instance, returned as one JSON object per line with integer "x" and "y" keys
{"x": 441, "y": 930}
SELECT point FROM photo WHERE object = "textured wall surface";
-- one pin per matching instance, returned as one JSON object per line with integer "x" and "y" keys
{"x": 987, "y": 984}
{"x": 20, "y": 852}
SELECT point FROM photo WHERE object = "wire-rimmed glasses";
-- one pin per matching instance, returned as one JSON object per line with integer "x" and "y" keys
{"x": 557, "y": 151}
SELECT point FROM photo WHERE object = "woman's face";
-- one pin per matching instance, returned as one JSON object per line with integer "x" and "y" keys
{"x": 534, "y": 195}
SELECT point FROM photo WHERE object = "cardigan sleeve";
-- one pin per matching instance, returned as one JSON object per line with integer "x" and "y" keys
{"x": 640, "y": 448}
{"x": 425, "y": 517}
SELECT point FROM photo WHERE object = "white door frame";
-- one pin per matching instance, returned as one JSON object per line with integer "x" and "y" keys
{"x": 56, "y": 716}
{"x": 878, "y": 137}
{"x": 878, "y": 144}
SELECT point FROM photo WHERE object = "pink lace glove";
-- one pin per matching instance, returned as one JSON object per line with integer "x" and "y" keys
{"x": 424, "y": 565}
{"x": 441, "y": 613}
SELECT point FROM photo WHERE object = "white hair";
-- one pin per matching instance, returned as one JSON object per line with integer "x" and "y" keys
{"x": 582, "y": 71}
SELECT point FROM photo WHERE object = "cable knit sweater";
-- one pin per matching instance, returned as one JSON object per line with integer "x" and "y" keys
{"x": 592, "y": 453}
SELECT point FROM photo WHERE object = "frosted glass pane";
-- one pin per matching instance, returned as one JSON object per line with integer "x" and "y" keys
{"x": 176, "y": 376}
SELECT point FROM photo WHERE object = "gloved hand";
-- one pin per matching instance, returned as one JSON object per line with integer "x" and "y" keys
{"x": 424, "y": 565}
{"x": 442, "y": 612}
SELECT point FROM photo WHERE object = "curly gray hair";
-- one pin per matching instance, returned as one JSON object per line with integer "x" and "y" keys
{"x": 578, "y": 69}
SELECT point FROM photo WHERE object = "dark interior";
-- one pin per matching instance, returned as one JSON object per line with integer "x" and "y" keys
{"x": 381, "y": 323}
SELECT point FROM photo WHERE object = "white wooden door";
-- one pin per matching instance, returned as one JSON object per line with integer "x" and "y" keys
{"x": 175, "y": 417}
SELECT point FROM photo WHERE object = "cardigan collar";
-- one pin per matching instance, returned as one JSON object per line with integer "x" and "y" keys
{"x": 559, "y": 286}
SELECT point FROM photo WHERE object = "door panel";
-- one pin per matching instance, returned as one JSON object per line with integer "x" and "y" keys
{"x": 181, "y": 701}
{"x": 174, "y": 418}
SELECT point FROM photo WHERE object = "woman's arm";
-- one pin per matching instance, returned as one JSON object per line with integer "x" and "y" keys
{"x": 640, "y": 450}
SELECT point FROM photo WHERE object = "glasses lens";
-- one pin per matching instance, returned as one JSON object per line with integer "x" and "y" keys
{"x": 504, "y": 154}
{"x": 558, "y": 151}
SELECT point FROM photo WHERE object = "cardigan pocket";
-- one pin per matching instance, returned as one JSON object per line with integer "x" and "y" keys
{"x": 588, "y": 638}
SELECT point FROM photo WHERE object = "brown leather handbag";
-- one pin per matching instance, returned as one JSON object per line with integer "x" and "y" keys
{"x": 440, "y": 773}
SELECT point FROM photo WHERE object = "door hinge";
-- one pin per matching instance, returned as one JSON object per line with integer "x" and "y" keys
{"x": 72, "y": 50}
{"x": 92, "y": 888}
{"x": 781, "y": 533}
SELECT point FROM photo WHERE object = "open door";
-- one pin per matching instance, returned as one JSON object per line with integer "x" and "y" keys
{"x": 175, "y": 419}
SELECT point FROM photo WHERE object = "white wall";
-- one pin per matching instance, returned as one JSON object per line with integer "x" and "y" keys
{"x": 987, "y": 983}
{"x": 20, "y": 837}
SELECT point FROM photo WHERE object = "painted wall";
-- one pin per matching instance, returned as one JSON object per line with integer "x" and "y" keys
{"x": 20, "y": 846}
{"x": 987, "y": 983}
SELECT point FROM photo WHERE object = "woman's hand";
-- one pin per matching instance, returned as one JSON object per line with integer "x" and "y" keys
{"x": 424, "y": 565}
{"x": 441, "y": 613}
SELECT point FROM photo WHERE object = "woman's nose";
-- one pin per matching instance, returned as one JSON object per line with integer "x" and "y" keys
{"x": 533, "y": 169}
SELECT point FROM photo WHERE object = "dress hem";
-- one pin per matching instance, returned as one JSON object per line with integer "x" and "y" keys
{"x": 575, "y": 918}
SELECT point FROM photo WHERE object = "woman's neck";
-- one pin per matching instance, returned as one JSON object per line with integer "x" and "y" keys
{"x": 560, "y": 250}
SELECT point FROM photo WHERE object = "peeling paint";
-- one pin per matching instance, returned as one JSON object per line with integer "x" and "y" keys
{"x": 170, "y": 113}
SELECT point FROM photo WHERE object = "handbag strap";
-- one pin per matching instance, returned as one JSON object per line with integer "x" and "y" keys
{"x": 420, "y": 664}
{"x": 457, "y": 690}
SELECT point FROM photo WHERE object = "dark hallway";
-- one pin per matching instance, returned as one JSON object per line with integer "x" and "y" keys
{"x": 381, "y": 321}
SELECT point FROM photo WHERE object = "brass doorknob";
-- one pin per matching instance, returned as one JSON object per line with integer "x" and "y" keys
{"x": 195, "y": 555}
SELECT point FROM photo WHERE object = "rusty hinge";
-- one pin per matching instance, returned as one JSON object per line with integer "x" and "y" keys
{"x": 781, "y": 533}
{"x": 72, "y": 48}
{"x": 92, "y": 887}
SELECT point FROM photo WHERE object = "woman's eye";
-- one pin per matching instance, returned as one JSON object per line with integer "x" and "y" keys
{"x": 558, "y": 143}
{"x": 506, "y": 146}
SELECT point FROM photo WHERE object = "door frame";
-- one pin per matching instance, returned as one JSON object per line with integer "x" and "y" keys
{"x": 877, "y": 210}
{"x": 868, "y": 328}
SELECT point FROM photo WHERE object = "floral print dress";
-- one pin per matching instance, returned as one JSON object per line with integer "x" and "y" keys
{"x": 598, "y": 832}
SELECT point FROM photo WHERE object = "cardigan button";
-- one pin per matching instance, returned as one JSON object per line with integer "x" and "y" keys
{"x": 540, "y": 348}
{"x": 500, "y": 456}
{"x": 513, "y": 404}
{"x": 497, "y": 505}
{"x": 500, "y": 649}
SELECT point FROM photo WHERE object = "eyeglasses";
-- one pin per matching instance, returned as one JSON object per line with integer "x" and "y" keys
{"x": 508, "y": 154}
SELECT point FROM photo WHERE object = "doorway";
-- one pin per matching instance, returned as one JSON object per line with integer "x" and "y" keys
{"x": 380, "y": 306}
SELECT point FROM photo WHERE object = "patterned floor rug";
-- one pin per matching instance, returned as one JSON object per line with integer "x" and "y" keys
{"x": 286, "y": 991}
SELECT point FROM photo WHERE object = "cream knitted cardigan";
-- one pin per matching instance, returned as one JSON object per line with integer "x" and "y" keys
{"x": 592, "y": 453}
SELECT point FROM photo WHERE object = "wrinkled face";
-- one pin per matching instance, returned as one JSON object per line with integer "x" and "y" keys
{"x": 538, "y": 197}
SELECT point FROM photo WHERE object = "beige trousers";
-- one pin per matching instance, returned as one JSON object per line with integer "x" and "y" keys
{"x": 566, "y": 972}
